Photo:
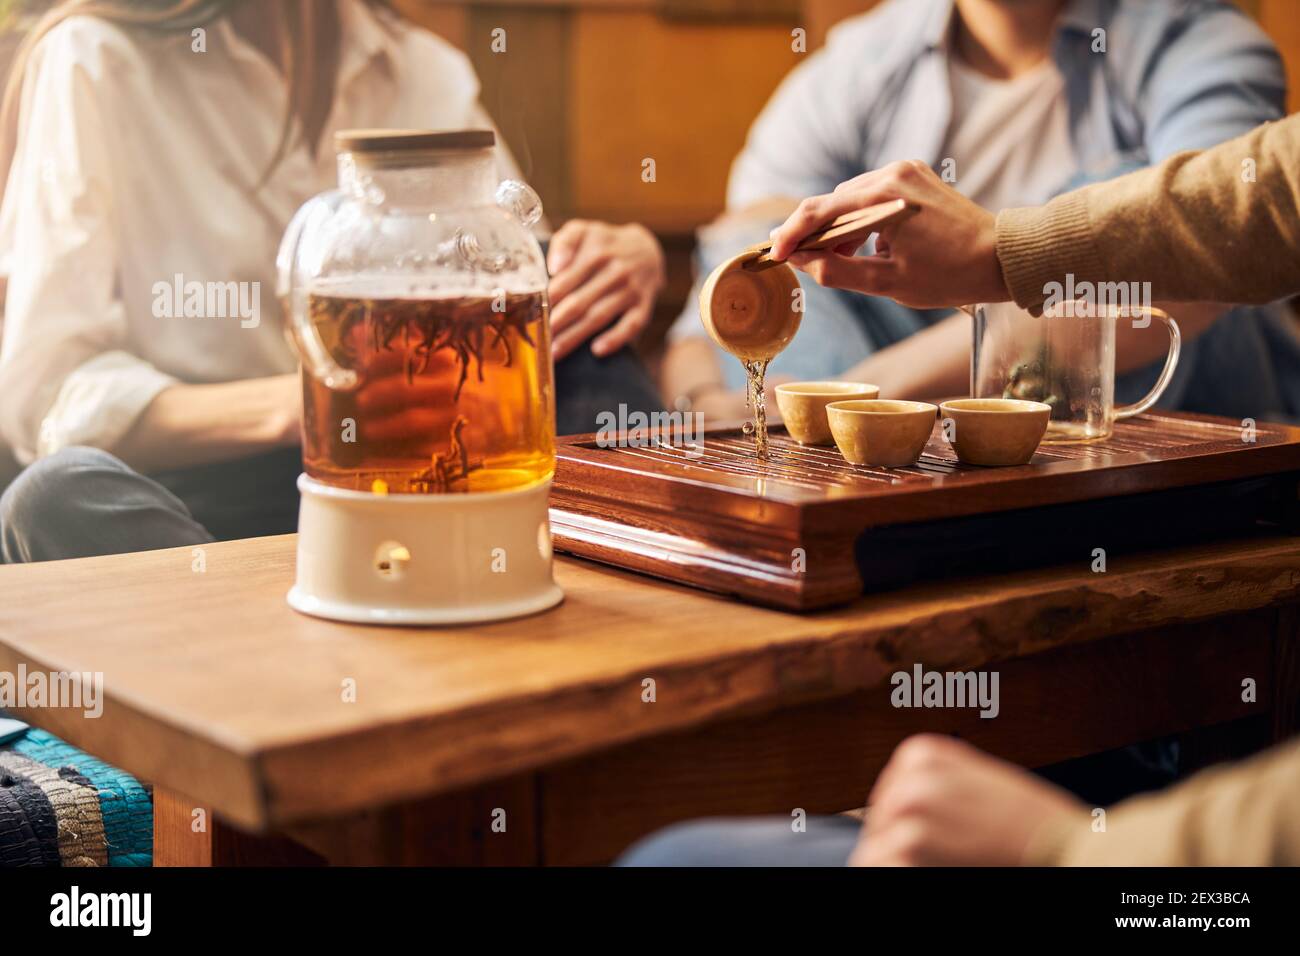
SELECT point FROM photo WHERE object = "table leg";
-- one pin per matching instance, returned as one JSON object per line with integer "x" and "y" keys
{"x": 491, "y": 825}
{"x": 185, "y": 833}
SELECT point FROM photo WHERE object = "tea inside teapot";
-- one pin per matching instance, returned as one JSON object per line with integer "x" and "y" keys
{"x": 453, "y": 393}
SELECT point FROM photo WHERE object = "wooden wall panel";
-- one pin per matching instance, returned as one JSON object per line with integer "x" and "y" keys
{"x": 526, "y": 91}
{"x": 524, "y": 88}
{"x": 682, "y": 93}
{"x": 449, "y": 20}
{"x": 730, "y": 10}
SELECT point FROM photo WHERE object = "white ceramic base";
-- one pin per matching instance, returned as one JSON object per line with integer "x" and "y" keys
{"x": 451, "y": 559}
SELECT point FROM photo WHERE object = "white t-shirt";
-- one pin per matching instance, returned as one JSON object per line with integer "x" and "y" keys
{"x": 1009, "y": 140}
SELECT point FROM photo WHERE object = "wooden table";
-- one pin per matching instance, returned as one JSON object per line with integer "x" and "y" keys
{"x": 230, "y": 702}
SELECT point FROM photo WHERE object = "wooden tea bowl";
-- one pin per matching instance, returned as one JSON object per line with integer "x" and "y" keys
{"x": 748, "y": 303}
{"x": 803, "y": 407}
{"x": 996, "y": 431}
{"x": 881, "y": 432}
{"x": 751, "y": 313}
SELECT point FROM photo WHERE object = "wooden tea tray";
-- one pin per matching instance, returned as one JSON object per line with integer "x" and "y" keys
{"x": 806, "y": 530}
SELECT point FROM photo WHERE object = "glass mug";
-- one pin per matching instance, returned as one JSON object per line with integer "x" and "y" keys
{"x": 1064, "y": 358}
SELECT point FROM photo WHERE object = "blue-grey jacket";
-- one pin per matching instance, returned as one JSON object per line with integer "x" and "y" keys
{"x": 1143, "y": 78}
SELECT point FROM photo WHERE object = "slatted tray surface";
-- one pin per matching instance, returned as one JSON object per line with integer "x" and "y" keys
{"x": 715, "y": 516}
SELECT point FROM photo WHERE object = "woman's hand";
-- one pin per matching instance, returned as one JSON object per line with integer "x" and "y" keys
{"x": 600, "y": 272}
{"x": 946, "y": 255}
{"x": 941, "y": 802}
{"x": 188, "y": 425}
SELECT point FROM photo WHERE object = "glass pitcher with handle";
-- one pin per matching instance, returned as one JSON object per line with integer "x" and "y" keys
{"x": 1064, "y": 358}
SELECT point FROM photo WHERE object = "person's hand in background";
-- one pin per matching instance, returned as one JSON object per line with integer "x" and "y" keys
{"x": 945, "y": 255}
{"x": 600, "y": 273}
{"x": 941, "y": 802}
{"x": 188, "y": 425}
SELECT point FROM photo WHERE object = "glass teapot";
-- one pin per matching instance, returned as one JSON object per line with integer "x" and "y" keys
{"x": 416, "y": 299}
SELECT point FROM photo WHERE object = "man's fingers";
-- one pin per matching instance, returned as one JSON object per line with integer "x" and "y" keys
{"x": 594, "y": 286}
{"x": 880, "y": 790}
{"x": 588, "y": 263}
{"x": 873, "y": 275}
{"x": 591, "y": 321}
{"x": 891, "y": 231}
{"x": 901, "y": 843}
{"x": 895, "y": 181}
{"x": 564, "y": 245}
{"x": 808, "y": 215}
{"x": 625, "y": 331}
{"x": 918, "y": 755}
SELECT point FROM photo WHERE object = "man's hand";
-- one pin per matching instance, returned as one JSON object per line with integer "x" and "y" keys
{"x": 941, "y": 802}
{"x": 946, "y": 255}
{"x": 600, "y": 272}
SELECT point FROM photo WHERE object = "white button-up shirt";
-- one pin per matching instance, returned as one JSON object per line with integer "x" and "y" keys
{"x": 135, "y": 175}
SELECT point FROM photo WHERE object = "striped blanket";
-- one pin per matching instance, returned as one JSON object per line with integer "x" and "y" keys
{"x": 62, "y": 807}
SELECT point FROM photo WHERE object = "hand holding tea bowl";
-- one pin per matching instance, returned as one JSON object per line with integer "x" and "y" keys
{"x": 803, "y": 407}
{"x": 881, "y": 432}
{"x": 996, "y": 431}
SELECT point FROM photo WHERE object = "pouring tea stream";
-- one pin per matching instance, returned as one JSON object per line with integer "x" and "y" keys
{"x": 749, "y": 305}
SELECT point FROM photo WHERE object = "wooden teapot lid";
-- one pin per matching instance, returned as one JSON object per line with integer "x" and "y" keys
{"x": 401, "y": 140}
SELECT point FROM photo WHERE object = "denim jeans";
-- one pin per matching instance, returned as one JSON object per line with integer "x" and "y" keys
{"x": 766, "y": 841}
{"x": 1098, "y": 779}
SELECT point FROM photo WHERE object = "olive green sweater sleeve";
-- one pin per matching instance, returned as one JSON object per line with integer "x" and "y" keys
{"x": 1219, "y": 225}
{"x": 1247, "y": 814}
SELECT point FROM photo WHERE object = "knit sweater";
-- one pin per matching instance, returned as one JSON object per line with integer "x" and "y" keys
{"x": 1246, "y": 814}
{"x": 1218, "y": 225}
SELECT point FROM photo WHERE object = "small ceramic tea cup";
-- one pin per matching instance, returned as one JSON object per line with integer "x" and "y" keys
{"x": 881, "y": 431}
{"x": 803, "y": 407}
{"x": 995, "y": 431}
